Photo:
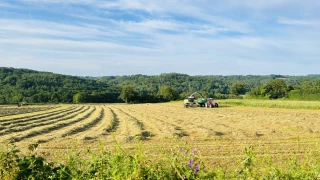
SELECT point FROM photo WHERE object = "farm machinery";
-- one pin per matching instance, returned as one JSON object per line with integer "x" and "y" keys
{"x": 200, "y": 102}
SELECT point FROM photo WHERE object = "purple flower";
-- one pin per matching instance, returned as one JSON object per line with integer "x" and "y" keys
{"x": 194, "y": 151}
{"x": 197, "y": 168}
{"x": 183, "y": 177}
{"x": 190, "y": 163}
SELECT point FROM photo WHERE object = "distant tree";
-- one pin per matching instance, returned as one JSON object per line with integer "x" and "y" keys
{"x": 185, "y": 95}
{"x": 238, "y": 88}
{"x": 276, "y": 89}
{"x": 80, "y": 98}
{"x": 169, "y": 93}
{"x": 128, "y": 94}
{"x": 273, "y": 89}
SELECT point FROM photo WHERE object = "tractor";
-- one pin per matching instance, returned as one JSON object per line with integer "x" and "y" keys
{"x": 200, "y": 102}
{"x": 211, "y": 103}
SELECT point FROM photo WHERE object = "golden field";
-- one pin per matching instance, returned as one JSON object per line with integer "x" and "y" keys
{"x": 219, "y": 134}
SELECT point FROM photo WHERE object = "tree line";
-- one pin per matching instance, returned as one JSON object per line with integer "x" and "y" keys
{"x": 31, "y": 86}
{"x": 18, "y": 85}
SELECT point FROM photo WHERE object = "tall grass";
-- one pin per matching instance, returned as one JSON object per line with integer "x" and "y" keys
{"x": 287, "y": 104}
{"x": 174, "y": 163}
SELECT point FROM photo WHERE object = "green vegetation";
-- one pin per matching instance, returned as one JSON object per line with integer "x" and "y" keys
{"x": 238, "y": 88}
{"x": 168, "y": 93}
{"x": 18, "y": 85}
{"x": 22, "y": 85}
{"x": 128, "y": 94}
{"x": 176, "y": 163}
{"x": 287, "y": 104}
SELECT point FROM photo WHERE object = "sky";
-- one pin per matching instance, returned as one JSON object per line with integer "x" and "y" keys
{"x": 195, "y": 37}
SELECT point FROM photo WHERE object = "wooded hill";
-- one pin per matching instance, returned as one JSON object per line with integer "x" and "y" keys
{"x": 18, "y": 85}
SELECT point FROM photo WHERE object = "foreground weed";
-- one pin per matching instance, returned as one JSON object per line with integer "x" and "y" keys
{"x": 8, "y": 164}
{"x": 137, "y": 163}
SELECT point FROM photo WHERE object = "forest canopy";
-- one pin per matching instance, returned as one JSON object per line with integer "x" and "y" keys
{"x": 17, "y": 85}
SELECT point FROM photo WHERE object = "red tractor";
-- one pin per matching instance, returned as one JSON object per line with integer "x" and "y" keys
{"x": 211, "y": 103}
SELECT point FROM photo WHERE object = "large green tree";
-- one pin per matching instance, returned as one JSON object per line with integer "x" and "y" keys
{"x": 128, "y": 94}
{"x": 272, "y": 90}
{"x": 238, "y": 88}
{"x": 169, "y": 93}
{"x": 276, "y": 89}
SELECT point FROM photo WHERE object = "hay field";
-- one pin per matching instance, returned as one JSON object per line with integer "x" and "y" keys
{"x": 219, "y": 134}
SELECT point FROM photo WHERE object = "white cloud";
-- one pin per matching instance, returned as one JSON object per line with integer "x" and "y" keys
{"x": 37, "y": 28}
{"x": 69, "y": 45}
{"x": 294, "y": 22}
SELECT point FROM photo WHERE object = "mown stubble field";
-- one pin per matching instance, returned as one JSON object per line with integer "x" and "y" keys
{"x": 219, "y": 134}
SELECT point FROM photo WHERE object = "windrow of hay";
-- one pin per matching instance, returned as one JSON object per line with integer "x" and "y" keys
{"x": 34, "y": 112}
{"x": 9, "y": 110}
{"x": 47, "y": 120}
{"x": 45, "y": 129}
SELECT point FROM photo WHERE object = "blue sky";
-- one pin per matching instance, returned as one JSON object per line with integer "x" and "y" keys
{"x": 195, "y": 37}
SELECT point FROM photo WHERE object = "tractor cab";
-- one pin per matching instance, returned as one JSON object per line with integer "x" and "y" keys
{"x": 210, "y": 100}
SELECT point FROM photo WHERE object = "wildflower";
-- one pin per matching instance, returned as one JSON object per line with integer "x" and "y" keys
{"x": 183, "y": 177}
{"x": 197, "y": 168}
{"x": 190, "y": 163}
{"x": 194, "y": 151}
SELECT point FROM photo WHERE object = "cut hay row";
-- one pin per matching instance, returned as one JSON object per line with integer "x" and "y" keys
{"x": 50, "y": 128}
{"x": 10, "y": 111}
{"x": 159, "y": 128}
{"x": 114, "y": 123}
{"x": 58, "y": 130}
{"x": 147, "y": 130}
{"x": 138, "y": 122}
{"x": 42, "y": 122}
{"x": 41, "y": 117}
{"x": 27, "y": 117}
{"x": 87, "y": 124}
{"x": 128, "y": 128}
{"x": 107, "y": 124}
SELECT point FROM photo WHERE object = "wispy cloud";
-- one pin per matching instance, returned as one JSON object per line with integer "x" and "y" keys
{"x": 27, "y": 27}
{"x": 6, "y": 5}
{"x": 152, "y": 37}
{"x": 295, "y": 22}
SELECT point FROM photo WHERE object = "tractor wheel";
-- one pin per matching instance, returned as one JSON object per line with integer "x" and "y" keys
{"x": 211, "y": 106}
{"x": 216, "y": 105}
